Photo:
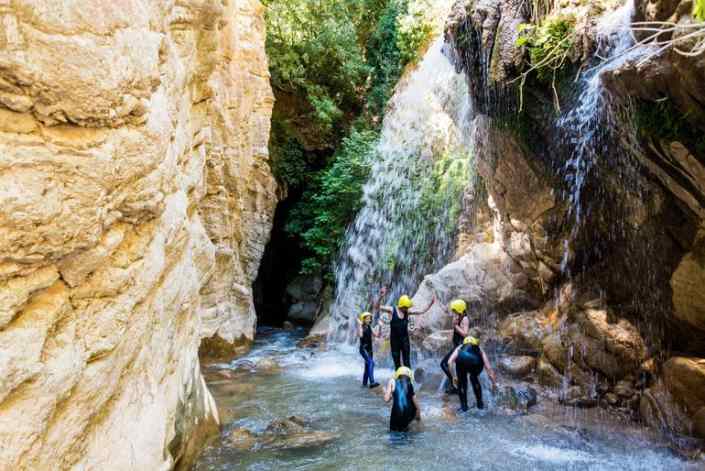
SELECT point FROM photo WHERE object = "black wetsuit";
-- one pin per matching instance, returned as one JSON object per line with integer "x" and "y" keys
{"x": 469, "y": 362}
{"x": 366, "y": 352}
{"x": 399, "y": 340}
{"x": 403, "y": 407}
{"x": 457, "y": 340}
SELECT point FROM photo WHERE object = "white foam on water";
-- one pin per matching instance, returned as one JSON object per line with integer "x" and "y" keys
{"x": 550, "y": 454}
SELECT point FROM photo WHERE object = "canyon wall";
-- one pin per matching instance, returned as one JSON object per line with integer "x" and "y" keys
{"x": 586, "y": 255}
{"x": 135, "y": 202}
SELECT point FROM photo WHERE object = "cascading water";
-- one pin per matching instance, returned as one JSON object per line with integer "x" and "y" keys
{"x": 413, "y": 198}
{"x": 588, "y": 125}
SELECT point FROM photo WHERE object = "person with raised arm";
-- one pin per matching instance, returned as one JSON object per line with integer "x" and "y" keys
{"x": 365, "y": 331}
{"x": 399, "y": 326}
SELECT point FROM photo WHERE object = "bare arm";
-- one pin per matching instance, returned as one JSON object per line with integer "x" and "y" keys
{"x": 378, "y": 305}
{"x": 451, "y": 360}
{"x": 490, "y": 371}
{"x": 377, "y": 332}
{"x": 359, "y": 328}
{"x": 463, "y": 327}
{"x": 418, "y": 313}
{"x": 388, "y": 391}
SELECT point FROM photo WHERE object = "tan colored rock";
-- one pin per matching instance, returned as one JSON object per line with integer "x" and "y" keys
{"x": 688, "y": 285}
{"x": 517, "y": 366}
{"x": 523, "y": 333}
{"x": 136, "y": 197}
{"x": 685, "y": 379}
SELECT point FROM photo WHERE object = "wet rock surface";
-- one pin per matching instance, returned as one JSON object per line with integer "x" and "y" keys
{"x": 281, "y": 434}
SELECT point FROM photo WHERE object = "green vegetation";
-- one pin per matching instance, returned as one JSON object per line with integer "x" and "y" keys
{"x": 662, "y": 120}
{"x": 332, "y": 200}
{"x": 414, "y": 31}
{"x": 699, "y": 9}
{"x": 550, "y": 44}
{"x": 334, "y": 65}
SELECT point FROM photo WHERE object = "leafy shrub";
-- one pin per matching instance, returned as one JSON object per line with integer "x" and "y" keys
{"x": 699, "y": 9}
{"x": 550, "y": 44}
{"x": 332, "y": 200}
{"x": 414, "y": 33}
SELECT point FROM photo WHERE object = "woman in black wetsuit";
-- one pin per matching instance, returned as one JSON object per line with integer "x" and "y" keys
{"x": 399, "y": 327}
{"x": 405, "y": 408}
{"x": 365, "y": 333}
{"x": 470, "y": 359}
{"x": 461, "y": 324}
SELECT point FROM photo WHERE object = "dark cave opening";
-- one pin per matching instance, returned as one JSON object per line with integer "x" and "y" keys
{"x": 280, "y": 264}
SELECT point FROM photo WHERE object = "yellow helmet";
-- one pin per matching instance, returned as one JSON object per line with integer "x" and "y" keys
{"x": 404, "y": 371}
{"x": 458, "y": 306}
{"x": 404, "y": 301}
{"x": 364, "y": 315}
{"x": 471, "y": 340}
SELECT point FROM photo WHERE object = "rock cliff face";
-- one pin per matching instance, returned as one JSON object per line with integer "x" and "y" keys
{"x": 136, "y": 201}
{"x": 600, "y": 283}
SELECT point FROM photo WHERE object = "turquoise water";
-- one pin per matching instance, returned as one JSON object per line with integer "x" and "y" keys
{"x": 324, "y": 388}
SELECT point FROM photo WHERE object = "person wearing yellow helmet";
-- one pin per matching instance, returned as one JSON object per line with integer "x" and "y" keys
{"x": 405, "y": 407}
{"x": 461, "y": 324}
{"x": 399, "y": 326}
{"x": 470, "y": 359}
{"x": 365, "y": 331}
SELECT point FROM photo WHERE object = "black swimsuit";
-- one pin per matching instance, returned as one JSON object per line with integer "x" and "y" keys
{"x": 399, "y": 340}
{"x": 403, "y": 407}
{"x": 457, "y": 340}
{"x": 469, "y": 362}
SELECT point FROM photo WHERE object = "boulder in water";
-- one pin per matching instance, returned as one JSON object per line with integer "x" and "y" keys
{"x": 519, "y": 398}
{"x": 242, "y": 439}
{"x": 300, "y": 440}
{"x": 577, "y": 396}
{"x": 517, "y": 366}
{"x": 267, "y": 366}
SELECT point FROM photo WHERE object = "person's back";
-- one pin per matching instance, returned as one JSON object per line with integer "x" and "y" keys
{"x": 400, "y": 391}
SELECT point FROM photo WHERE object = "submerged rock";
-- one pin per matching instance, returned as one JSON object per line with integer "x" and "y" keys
{"x": 281, "y": 434}
{"x": 517, "y": 398}
{"x": 267, "y": 366}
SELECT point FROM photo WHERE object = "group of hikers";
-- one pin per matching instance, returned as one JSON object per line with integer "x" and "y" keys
{"x": 466, "y": 358}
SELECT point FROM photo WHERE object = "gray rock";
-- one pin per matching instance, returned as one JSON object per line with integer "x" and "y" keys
{"x": 304, "y": 313}
{"x": 305, "y": 288}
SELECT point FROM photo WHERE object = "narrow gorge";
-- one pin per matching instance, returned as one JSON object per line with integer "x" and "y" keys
{"x": 199, "y": 198}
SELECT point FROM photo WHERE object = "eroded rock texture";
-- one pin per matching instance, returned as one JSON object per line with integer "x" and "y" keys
{"x": 135, "y": 202}
{"x": 600, "y": 284}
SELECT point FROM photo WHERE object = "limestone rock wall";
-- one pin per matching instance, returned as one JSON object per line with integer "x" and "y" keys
{"x": 610, "y": 307}
{"x": 135, "y": 202}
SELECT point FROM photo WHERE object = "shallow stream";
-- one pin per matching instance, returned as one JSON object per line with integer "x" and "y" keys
{"x": 323, "y": 387}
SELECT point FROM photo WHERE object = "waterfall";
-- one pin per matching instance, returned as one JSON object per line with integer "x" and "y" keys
{"x": 591, "y": 116}
{"x": 412, "y": 200}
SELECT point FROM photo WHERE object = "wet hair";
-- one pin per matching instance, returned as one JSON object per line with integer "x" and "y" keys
{"x": 474, "y": 332}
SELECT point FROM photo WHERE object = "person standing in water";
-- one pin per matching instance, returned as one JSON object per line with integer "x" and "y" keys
{"x": 461, "y": 325}
{"x": 470, "y": 359}
{"x": 405, "y": 408}
{"x": 399, "y": 327}
{"x": 365, "y": 331}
